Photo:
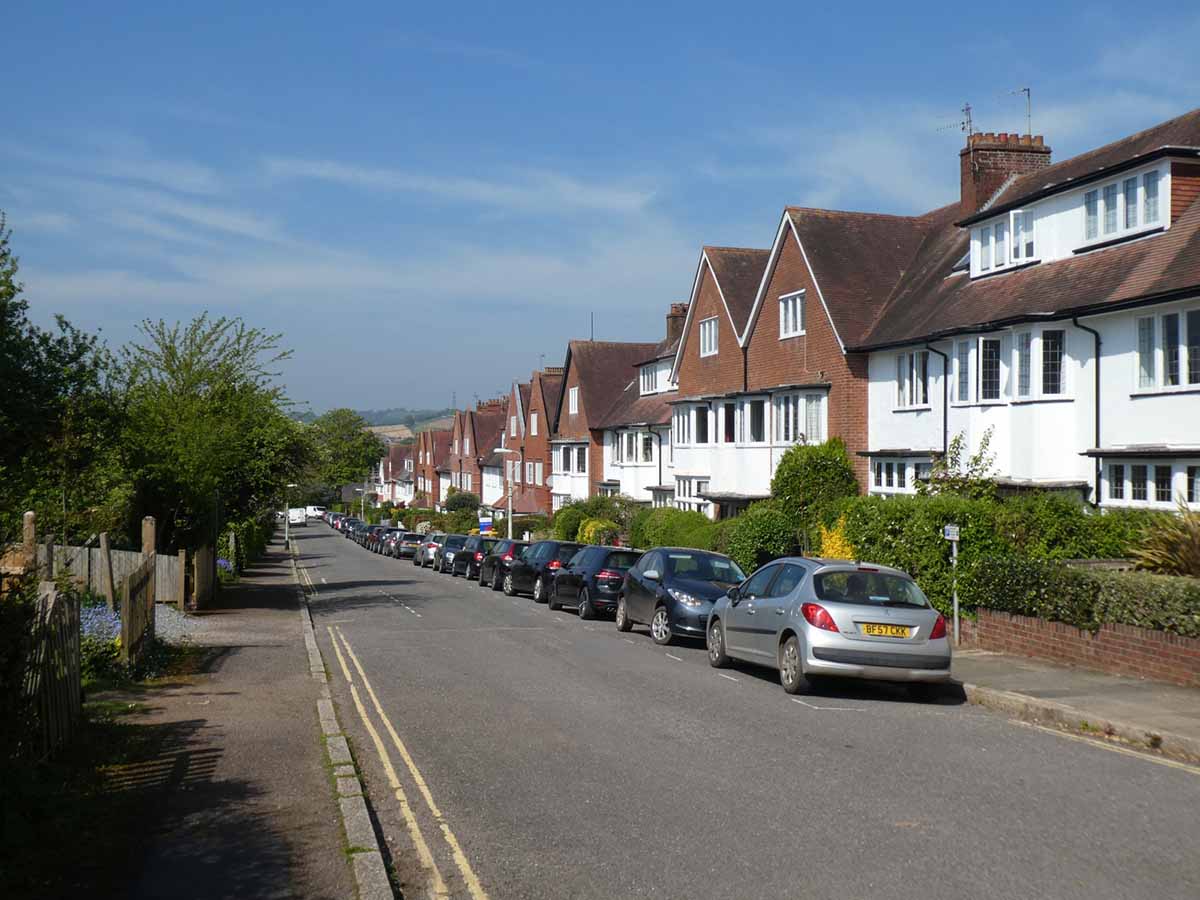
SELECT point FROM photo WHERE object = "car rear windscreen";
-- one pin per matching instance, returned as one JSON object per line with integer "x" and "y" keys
{"x": 566, "y": 551}
{"x": 622, "y": 559}
{"x": 868, "y": 589}
{"x": 411, "y": 536}
{"x": 456, "y": 541}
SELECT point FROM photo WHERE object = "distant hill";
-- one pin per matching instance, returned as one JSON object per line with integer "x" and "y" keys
{"x": 413, "y": 418}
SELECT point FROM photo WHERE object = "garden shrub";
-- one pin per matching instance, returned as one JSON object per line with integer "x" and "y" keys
{"x": 834, "y": 543}
{"x": 567, "y": 521}
{"x": 1085, "y": 598}
{"x": 810, "y": 480}
{"x": 669, "y": 527}
{"x": 598, "y": 531}
{"x": 637, "y": 526}
{"x": 462, "y": 500}
{"x": 1115, "y": 533}
{"x": 1171, "y": 545}
{"x": 253, "y": 534}
{"x": 760, "y": 534}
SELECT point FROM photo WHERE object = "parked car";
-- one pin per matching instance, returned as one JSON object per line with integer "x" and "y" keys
{"x": 296, "y": 517}
{"x": 408, "y": 544}
{"x": 347, "y": 525}
{"x": 468, "y": 562}
{"x": 536, "y": 568}
{"x": 428, "y": 546}
{"x": 591, "y": 580}
{"x": 385, "y": 539}
{"x": 498, "y": 561}
{"x": 811, "y": 618}
{"x": 673, "y": 590}
{"x": 369, "y": 535}
{"x": 314, "y": 512}
{"x": 443, "y": 556}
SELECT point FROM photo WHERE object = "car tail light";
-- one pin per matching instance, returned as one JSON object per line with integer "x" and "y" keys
{"x": 507, "y": 557}
{"x": 818, "y": 617}
{"x": 939, "y": 628}
{"x": 554, "y": 564}
{"x": 478, "y": 556}
{"x": 609, "y": 573}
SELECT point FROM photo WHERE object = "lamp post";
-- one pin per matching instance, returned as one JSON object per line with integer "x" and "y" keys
{"x": 363, "y": 506}
{"x": 287, "y": 513}
{"x": 508, "y": 478}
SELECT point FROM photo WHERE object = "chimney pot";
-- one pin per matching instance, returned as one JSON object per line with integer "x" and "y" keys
{"x": 676, "y": 315}
{"x": 990, "y": 159}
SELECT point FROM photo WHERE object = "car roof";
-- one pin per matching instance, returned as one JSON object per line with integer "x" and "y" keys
{"x": 823, "y": 564}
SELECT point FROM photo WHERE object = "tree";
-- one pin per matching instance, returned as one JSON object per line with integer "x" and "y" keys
{"x": 810, "y": 479}
{"x": 462, "y": 500}
{"x": 345, "y": 450}
{"x": 956, "y": 473}
{"x": 207, "y": 437}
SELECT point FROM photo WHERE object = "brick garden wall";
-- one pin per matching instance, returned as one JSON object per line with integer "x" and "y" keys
{"x": 1119, "y": 649}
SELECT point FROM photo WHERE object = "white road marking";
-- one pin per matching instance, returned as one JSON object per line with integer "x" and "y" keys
{"x": 827, "y": 708}
{"x": 323, "y": 581}
{"x": 401, "y": 602}
{"x": 627, "y": 640}
{"x": 730, "y": 677}
{"x": 676, "y": 658}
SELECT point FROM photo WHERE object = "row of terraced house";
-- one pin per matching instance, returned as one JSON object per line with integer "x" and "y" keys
{"x": 1054, "y": 306}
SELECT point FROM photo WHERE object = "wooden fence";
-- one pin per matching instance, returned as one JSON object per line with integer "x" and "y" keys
{"x": 52, "y": 683}
{"x": 137, "y": 612}
{"x": 86, "y": 566}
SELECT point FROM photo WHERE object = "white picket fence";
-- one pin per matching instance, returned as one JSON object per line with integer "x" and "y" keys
{"x": 83, "y": 564}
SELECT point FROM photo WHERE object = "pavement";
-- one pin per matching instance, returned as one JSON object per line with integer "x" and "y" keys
{"x": 240, "y": 802}
{"x": 1145, "y": 714}
{"x": 511, "y": 751}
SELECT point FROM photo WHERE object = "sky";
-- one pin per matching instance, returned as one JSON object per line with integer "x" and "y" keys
{"x": 429, "y": 200}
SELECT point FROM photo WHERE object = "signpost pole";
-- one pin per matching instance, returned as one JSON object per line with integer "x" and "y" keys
{"x": 950, "y": 533}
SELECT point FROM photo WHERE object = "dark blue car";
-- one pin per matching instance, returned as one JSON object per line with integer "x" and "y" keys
{"x": 591, "y": 580}
{"x": 673, "y": 589}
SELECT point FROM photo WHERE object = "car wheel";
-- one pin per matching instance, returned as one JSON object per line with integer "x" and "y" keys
{"x": 623, "y": 623}
{"x": 509, "y": 590}
{"x": 496, "y": 580}
{"x": 717, "y": 658}
{"x": 660, "y": 627}
{"x": 540, "y": 594}
{"x": 585, "y": 605}
{"x": 791, "y": 671}
{"x": 481, "y": 581}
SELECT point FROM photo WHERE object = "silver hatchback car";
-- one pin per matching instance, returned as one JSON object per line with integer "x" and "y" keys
{"x": 814, "y": 617}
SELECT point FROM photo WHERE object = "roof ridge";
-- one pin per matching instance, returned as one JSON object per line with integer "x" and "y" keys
{"x": 854, "y": 212}
{"x": 740, "y": 249}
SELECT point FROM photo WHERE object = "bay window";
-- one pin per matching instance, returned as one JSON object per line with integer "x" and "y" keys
{"x": 754, "y": 421}
{"x": 989, "y": 368}
{"x": 730, "y": 416}
{"x": 581, "y": 460}
{"x": 1053, "y": 348}
{"x": 647, "y": 448}
{"x": 701, "y": 424}
{"x": 912, "y": 379}
{"x": 1024, "y": 364}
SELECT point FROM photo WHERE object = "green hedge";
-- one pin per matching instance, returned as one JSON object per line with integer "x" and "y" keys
{"x": 1085, "y": 598}
{"x": 809, "y": 482}
{"x": 598, "y": 531}
{"x": 762, "y": 533}
{"x": 567, "y": 521}
{"x": 252, "y": 534}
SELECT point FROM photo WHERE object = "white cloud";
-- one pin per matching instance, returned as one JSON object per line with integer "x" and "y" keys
{"x": 53, "y": 222}
{"x": 528, "y": 191}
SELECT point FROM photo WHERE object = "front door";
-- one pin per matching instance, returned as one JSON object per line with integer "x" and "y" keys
{"x": 746, "y": 622}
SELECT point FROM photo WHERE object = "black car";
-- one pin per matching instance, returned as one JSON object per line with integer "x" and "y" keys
{"x": 444, "y": 556}
{"x": 497, "y": 563}
{"x": 408, "y": 545}
{"x": 346, "y": 525}
{"x": 387, "y": 543}
{"x": 592, "y": 579}
{"x": 369, "y": 535}
{"x": 536, "y": 568}
{"x": 672, "y": 590}
{"x": 467, "y": 563}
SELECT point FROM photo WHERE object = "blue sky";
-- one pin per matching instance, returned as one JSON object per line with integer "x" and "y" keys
{"x": 442, "y": 196}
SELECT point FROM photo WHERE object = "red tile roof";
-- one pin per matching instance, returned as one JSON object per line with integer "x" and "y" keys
{"x": 739, "y": 272}
{"x": 605, "y": 369}
{"x": 633, "y": 409}
{"x": 1182, "y": 131}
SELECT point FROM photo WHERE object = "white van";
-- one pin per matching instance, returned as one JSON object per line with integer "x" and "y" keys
{"x": 314, "y": 512}
{"x": 297, "y": 516}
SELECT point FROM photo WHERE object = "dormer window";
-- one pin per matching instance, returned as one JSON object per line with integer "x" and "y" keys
{"x": 649, "y": 379}
{"x": 1121, "y": 208}
{"x": 1022, "y": 232}
{"x": 708, "y": 337}
{"x": 1006, "y": 243}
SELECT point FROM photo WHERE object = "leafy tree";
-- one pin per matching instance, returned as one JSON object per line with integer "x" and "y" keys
{"x": 462, "y": 500}
{"x": 207, "y": 437}
{"x": 810, "y": 480}
{"x": 957, "y": 473}
{"x": 345, "y": 450}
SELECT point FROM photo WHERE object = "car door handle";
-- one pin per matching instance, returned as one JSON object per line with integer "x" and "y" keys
{"x": 749, "y": 610}
{"x": 779, "y": 612}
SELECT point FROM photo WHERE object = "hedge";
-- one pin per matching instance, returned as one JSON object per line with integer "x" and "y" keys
{"x": 762, "y": 533}
{"x": 567, "y": 521}
{"x": 252, "y": 535}
{"x": 810, "y": 480}
{"x": 598, "y": 531}
{"x": 1085, "y": 598}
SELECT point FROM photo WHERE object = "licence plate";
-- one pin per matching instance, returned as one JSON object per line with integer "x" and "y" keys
{"x": 880, "y": 630}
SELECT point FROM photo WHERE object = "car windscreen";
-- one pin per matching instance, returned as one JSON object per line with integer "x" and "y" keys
{"x": 455, "y": 541}
{"x": 621, "y": 559}
{"x": 868, "y": 588}
{"x": 486, "y": 545}
{"x": 566, "y": 551}
{"x": 411, "y": 536}
{"x": 704, "y": 567}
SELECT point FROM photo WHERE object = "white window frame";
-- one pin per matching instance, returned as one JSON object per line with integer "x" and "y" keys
{"x": 533, "y": 424}
{"x": 512, "y": 426}
{"x": 1158, "y": 350}
{"x": 908, "y": 385}
{"x": 979, "y": 342}
{"x": 1178, "y": 484}
{"x": 791, "y": 315}
{"x": 889, "y": 476}
{"x": 708, "y": 336}
{"x": 744, "y": 421}
{"x": 650, "y": 379}
{"x": 1143, "y": 204}
{"x": 573, "y": 400}
{"x": 962, "y": 367}
{"x": 792, "y": 415}
{"x": 683, "y": 426}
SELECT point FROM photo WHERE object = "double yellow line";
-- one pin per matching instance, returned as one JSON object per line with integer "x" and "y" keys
{"x": 437, "y": 882}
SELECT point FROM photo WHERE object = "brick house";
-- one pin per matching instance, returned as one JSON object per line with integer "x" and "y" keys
{"x": 637, "y": 429}
{"x": 1056, "y": 308}
{"x": 433, "y": 449}
{"x": 595, "y": 375}
{"x": 394, "y": 476}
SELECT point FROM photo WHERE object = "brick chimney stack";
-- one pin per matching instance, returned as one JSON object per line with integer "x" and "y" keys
{"x": 676, "y": 316}
{"x": 553, "y": 370}
{"x": 989, "y": 160}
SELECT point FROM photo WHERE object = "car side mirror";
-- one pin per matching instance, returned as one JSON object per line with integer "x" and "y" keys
{"x": 734, "y": 595}
{"x": 651, "y": 575}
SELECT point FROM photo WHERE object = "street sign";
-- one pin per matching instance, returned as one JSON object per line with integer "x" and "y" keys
{"x": 485, "y": 524}
{"x": 950, "y": 532}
